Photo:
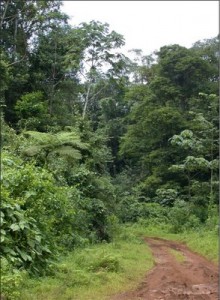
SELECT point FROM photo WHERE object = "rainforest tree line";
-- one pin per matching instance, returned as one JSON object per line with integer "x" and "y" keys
{"x": 91, "y": 138}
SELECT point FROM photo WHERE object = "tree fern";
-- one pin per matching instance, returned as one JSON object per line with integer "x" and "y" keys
{"x": 32, "y": 150}
{"x": 63, "y": 143}
{"x": 68, "y": 152}
{"x": 71, "y": 139}
{"x": 40, "y": 138}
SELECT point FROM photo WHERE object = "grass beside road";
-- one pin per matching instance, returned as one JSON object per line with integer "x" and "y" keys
{"x": 203, "y": 241}
{"x": 98, "y": 271}
{"x": 95, "y": 272}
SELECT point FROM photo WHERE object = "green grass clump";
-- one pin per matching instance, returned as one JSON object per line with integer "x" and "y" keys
{"x": 178, "y": 255}
{"x": 107, "y": 263}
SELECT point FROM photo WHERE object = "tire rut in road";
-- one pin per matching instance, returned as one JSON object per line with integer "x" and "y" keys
{"x": 194, "y": 278}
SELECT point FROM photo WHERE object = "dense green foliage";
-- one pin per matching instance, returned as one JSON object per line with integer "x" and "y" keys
{"x": 91, "y": 138}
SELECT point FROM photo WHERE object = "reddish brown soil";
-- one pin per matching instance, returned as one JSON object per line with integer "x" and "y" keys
{"x": 194, "y": 278}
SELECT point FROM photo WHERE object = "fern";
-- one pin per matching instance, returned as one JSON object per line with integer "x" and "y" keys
{"x": 69, "y": 152}
{"x": 71, "y": 139}
{"x": 40, "y": 137}
{"x": 32, "y": 151}
{"x": 63, "y": 143}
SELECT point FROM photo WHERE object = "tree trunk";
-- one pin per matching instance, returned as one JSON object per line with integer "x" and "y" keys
{"x": 86, "y": 102}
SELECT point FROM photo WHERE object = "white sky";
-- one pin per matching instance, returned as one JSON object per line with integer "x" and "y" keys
{"x": 149, "y": 25}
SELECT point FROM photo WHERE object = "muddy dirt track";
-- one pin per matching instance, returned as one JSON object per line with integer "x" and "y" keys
{"x": 190, "y": 277}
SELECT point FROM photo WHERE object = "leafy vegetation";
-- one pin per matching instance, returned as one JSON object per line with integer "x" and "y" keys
{"x": 92, "y": 140}
{"x": 98, "y": 271}
{"x": 95, "y": 272}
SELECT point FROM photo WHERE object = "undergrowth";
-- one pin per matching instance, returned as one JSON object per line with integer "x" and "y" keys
{"x": 98, "y": 271}
{"x": 203, "y": 240}
{"x": 95, "y": 272}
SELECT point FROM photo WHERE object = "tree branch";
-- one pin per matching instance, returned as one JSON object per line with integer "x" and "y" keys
{"x": 4, "y": 13}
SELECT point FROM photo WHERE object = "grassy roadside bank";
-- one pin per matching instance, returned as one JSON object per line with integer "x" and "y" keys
{"x": 94, "y": 272}
{"x": 98, "y": 271}
{"x": 204, "y": 242}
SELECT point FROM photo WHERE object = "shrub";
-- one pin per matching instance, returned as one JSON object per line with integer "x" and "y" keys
{"x": 182, "y": 218}
{"x": 130, "y": 209}
{"x": 166, "y": 196}
{"x": 22, "y": 242}
{"x": 35, "y": 215}
{"x": 107, "y": 263}
{"x": 11, "y": 281}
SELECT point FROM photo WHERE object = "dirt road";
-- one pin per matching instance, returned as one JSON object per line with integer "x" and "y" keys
{"x": 178, "y": 274}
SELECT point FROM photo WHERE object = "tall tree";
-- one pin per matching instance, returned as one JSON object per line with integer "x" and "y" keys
{"x": 183, "y": 74}
{"x": 21, "y": 22}
{"x": 95, "y": 48}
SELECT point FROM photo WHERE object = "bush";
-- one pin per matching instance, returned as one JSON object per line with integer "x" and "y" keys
{"x": 11, "y": 281}
{"x": 181, "y": 217}
{"x": 22, "y": 242}
{"x": 35, "y": 215}
{"x": 212, "y": 222}
{"x": 155, "y": 213}
{"x": 107, "y": 263}
{"x": 166, "y": 196}
{"x": 130, "y": 209}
